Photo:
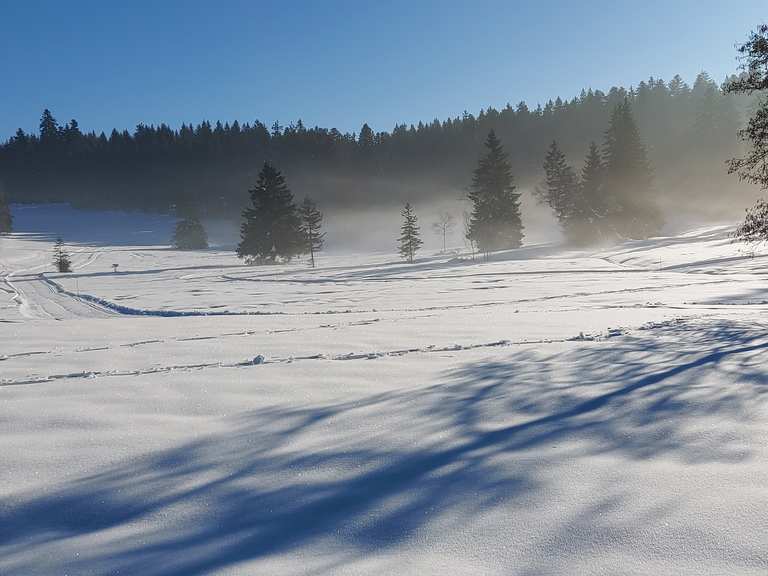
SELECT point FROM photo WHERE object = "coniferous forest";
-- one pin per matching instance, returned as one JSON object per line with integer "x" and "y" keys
{"x": 685, "y": 134}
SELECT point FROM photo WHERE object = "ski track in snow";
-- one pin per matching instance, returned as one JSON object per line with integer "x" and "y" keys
{"x": 282, "y": 360}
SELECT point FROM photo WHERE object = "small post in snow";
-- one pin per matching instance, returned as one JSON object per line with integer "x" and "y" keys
{"x": 114, "y": 268}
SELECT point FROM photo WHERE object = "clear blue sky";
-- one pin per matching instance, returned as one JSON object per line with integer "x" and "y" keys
{"x": 342, "y": 62}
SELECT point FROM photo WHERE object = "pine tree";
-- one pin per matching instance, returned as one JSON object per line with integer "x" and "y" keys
{"x": 628, "y": 178}
{"x": 495, "y": 222}
{"x": 49, "y": 128}
{"x": 272, "y": 228}
{"x": 190, "y": 234}
{"x": 592, "y": 191}
{"x": 366, "y": 138}
{"x": 410, "y": 236}
{"x": 561, "y": 190}
{"x": 60, "y": 257}
{"x": 6, "y": 218}
{"x": 311, "y": 224}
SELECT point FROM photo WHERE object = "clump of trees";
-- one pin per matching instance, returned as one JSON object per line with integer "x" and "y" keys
{"x": 614, "y": 197}
{"x": 274, "y": 229}
{"x": 6, "y": 218}
{"x": 410, "y": 234}
{"x": 495, "y": 222}
{"x": 61, "y": 259}
{"x": 190, "y": 233}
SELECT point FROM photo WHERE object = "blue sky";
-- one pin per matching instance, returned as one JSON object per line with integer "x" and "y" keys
{"x": 342, "y": 62}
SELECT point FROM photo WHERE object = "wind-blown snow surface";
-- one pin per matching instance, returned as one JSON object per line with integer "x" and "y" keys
{"x": 548, "y": 412}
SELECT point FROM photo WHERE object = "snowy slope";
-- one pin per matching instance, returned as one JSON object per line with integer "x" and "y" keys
{"x": 548, "y": 412}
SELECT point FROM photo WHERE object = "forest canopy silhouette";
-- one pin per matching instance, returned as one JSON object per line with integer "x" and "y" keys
{"x": 688, "y": 131}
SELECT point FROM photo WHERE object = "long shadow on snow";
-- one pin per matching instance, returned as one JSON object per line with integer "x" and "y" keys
{"x": 281, "y": 478}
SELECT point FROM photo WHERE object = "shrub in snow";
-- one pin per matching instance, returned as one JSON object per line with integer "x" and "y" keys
{"x": 190, "y": 235}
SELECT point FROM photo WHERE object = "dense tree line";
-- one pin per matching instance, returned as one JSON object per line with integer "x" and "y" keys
{"x": 689, "y": 131}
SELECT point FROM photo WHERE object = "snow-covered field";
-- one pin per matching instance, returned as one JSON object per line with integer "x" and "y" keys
{"x": 548, "y": 412}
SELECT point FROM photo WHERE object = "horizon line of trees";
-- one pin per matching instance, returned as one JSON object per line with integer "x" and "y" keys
{"x": 688, "y": 131}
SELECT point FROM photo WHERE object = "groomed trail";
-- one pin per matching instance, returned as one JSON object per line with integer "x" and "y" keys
{"x": 37, "y": 297}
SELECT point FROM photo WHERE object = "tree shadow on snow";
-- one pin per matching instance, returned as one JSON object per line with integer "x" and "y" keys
{"x": 281, "y": 479}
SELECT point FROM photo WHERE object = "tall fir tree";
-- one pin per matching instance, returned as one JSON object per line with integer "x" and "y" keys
{"x": 272, "y": 228}
{"x": 311, "y": 226}
{"x": 495, "y": 223}
{"x": 561, "y": 191}
{"x": 49, "y": 128}
{"x": 592, "y": 191}
{"x": 631, "y": 208}
{"x": 410, "y": 235}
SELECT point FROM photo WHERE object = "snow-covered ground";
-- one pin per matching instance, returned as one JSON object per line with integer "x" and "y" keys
{"x": 548, "y": 412}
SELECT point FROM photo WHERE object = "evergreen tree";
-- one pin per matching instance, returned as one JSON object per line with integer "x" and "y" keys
{"x": 272, "y": 228}
{"x": 592, "y": 191}
{"x": 495, "y": 222}
{"x": 628, "y": 178}
{"x": 311, "y": 224}
{"x": 49, "y": 128}
{"x": 190, "y": 234}
{"x": 561, "y": 191}
{"x": 366, "y": 138}
{"x": 6, "y": 218}
{"x": 60, "y": 257}
{"x": 410, "y": 235}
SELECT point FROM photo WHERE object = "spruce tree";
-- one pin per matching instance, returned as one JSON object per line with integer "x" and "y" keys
{"x": 495, "y": 223}
{"x": 6, "y": 218}
{"x": 190, "y": 234}
{"x": 628, "y": 178}
{"x": 49, "y": 128}
{"x": 561, "y": 191}
{"x": 311, "y": 224}
{"x": 410, "y": 235}
{"x": 60, "y": 257}
{"x": 592, "y": 191}
{"x": 272, "y": 228}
